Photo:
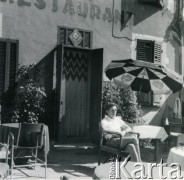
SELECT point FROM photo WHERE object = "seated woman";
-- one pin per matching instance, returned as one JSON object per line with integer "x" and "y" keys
{"x": 113, "y": 123}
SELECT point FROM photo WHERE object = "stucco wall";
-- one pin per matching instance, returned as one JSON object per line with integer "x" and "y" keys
{"x": 152, "y": 20}
{"x": 156, "y": 23}
{"x": 36, "y": 29}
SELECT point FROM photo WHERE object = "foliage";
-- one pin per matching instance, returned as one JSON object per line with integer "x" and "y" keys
{"x": 125, "y": 99}
{"x": 30, "y": 98}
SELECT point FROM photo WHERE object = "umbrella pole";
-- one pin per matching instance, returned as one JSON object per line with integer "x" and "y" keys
{"x": 138, "y": 98}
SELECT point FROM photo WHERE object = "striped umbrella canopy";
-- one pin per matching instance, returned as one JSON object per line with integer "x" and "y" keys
{"x": 144, "y": 76}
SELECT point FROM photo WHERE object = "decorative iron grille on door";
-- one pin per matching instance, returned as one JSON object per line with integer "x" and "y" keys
{"x": 75, "y": 37}
{"x": 75, "y": 65}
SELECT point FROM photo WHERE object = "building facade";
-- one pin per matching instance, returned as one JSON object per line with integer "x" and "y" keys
{"x": 72, "y": 41}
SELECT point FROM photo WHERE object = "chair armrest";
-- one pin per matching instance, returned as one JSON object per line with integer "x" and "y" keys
{"x": 138, "y": 134}
{"x": 10, "y": 139}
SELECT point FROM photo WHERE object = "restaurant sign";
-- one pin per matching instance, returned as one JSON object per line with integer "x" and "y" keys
{"x": 81, "y": 8}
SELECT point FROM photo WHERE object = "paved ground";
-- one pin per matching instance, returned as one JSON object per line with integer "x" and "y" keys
{"x": 77, "y": 162}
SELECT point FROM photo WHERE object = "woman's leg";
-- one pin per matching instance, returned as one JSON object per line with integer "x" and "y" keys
{"x": 130, "y": 148}
{"x": 130, "y": 139}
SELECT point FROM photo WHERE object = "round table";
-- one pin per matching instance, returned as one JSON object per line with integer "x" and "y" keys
{"x": 106, "y": 171}
{"x": 156, "y": 133}
{"x": 176, "y": 155}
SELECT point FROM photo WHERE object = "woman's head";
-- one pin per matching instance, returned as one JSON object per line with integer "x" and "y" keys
{"x": 111, "y": 110}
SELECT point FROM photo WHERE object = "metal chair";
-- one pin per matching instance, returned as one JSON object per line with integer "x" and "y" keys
{"x": 172, "y": 136}
{"x": 180, "y": 140}
{"x": 4, "y": 167}
{"x": 30, "y": 138}
{"x": 116, "y": 150}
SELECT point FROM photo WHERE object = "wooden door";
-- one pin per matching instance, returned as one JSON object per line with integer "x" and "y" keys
{"x": 78, "y": 93}
{"x": 73, "y": 93}
{"x": 96, "y": 93}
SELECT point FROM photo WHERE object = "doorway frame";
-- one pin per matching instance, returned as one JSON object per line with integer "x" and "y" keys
{"x": 58, "y": 71}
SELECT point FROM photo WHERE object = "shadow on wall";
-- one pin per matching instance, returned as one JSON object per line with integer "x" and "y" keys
{"x": 44, "y": 74}
{"x": 161, "y": 114}
{"x": 158, "y": 118}
{"x": 172, "y": 35}
{"x": 144, "y": 11}
{"x": 134, "y": 12}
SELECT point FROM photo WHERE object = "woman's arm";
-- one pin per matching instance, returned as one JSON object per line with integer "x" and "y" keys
{"x": 126, "y": 127}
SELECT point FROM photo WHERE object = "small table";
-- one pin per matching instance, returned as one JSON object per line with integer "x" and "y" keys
{"x": 176, "y": 155}
{"x": 104, "y": 171}
{"x": 151, "y": 132}
{"x": 14, "y": 127}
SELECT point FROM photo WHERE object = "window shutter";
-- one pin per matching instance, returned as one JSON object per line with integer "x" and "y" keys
{"x": 157, "y": 53}
{"x": 8, "y": 64}
{"x": 13, "y": 63}
{"x": 157, "y": 59}
{"x": 2, "y": 66}
{"x": 145, "y": 50}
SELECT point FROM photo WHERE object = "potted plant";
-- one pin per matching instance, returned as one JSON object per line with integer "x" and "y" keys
{"x": 29, "y": 100}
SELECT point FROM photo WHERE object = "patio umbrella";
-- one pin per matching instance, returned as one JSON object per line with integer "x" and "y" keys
{"x": 144, "y": 76}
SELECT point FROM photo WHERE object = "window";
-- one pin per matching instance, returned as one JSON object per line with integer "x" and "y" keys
{"x": 8, "y": 64}
{"x": 64, "y": 34}
{"x": 145, "y": 50}
{"x": 149, "y": 51}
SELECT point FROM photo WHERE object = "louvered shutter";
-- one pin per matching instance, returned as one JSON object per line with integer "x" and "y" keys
{"x": 13, "y": 63}
{"x": 8, "y": 64}
{"x": 2, "y": 66}
{"x": 157, "y": 52}
{"x": 145, "y": 50}
{"x": 157, "y": 99}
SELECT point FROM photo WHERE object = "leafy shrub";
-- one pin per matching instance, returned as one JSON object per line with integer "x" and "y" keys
{"x": 125, "y": 99}
{"x": 29, "y": 101}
